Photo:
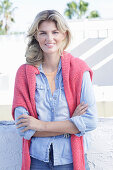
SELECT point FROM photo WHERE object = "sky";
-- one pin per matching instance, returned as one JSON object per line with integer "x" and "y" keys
{"x": 26, "y": 10}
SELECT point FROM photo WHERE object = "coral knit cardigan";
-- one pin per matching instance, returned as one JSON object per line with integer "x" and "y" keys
{"x": 24, "y": 95}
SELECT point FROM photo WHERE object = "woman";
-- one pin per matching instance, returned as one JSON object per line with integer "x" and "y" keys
{"x": 53, "y": 104}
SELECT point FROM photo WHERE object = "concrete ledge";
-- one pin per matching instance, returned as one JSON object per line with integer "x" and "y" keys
{"x": 10, "y": 147}
{"x": 100, "y": 156}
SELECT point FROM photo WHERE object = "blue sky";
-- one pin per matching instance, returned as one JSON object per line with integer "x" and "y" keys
{"x": 28, "y": 9}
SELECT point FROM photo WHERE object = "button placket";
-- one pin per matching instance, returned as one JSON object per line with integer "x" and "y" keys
{"x": 41, "y": 87}
{"x": 55, "y": 97}
{"x": 50, "y": 98}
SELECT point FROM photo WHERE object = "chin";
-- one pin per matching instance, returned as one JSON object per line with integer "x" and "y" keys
{"x": 50, "y": 51}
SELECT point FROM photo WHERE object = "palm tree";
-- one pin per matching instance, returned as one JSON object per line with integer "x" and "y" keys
{"x": 93, "y": 14}
{"x": 79, "y": 10}
{"x": 82, "y": 8}
{"x": 6, "y": 16}
{"x": 71, "y": 10}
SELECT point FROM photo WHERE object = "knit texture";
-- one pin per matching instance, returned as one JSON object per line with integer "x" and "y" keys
{"x": 24, "y": 95}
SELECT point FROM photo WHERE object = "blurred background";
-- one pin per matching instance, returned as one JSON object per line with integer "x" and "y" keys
{"x": 91, "y": 23}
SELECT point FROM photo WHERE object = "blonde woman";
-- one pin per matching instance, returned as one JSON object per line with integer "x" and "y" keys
{"x": 54, "y": 105}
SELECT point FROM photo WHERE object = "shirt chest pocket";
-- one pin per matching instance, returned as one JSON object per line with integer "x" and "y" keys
{"x": 40, "y": 92}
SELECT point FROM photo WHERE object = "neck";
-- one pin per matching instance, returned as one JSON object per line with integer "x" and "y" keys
{"x": 51, "y": 62}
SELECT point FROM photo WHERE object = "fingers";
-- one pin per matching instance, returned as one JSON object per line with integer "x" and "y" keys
{"x": 27, "y": 122}
{"x": 80, "y": 109}
{"x": 25, "y": 129}
{"x": 83, "y": 111}
{"x": 22, "y": 125}
{"x": 23, "y": 116}
{"x": 21, "y": 121}
{"x": 82, "y": 106}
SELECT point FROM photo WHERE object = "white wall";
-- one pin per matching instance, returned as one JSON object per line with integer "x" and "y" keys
{"x": 12, "y": 55}
{"x": 100, "y": 155}
{"x": 10, "y": 147}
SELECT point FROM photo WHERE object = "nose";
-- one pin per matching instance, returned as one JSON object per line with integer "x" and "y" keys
{"x": 49, "y": 37}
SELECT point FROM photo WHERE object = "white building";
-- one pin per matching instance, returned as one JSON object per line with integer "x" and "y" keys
{"x": 92, "y": 42}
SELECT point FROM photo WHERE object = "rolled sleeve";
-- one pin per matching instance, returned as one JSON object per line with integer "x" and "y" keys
{"x": 27, "y": 134}
{"x": 79, "y": 123}
{"x": 88, "y": 121}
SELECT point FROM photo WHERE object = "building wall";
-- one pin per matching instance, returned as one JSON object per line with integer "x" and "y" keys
{"x": 10, "y": 147}
{"x": 104, "y": 109}
{"x": 86, "y": 35}
{"x": 100, "y": 155}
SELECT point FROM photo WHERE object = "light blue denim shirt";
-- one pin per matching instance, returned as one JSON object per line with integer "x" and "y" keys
{"x": 55, "y": 108}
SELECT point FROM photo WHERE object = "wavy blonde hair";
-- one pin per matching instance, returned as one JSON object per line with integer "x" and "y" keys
{"x": 34, "y": 54}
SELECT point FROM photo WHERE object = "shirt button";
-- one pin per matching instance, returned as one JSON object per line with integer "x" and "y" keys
{"x": 41, "y": 87}
{"x": 57, "y": 78}
{"x": 55, "y": 98}
{"x": 50, "y": 99}
{"x": 52, "y": 110}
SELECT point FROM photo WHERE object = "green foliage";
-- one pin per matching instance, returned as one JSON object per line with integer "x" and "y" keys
{"x": 79, "y": 10}
{"x": 6, "y": 16}
{"x": 72, "y": 8}
{"x": 93, "y": 14}
{"x": 83, "y": 7}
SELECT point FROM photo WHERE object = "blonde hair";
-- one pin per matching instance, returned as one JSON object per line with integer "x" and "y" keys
{"x": 34, "y": 54}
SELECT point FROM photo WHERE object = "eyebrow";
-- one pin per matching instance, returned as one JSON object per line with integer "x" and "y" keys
{"x": 45, "y": 31}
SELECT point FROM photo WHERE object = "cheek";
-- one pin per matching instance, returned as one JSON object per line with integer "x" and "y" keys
{"x": 63, "y": 38}
{"x": 40, "y": 39}
{"x": 41, "y": 42}
{"x": 60, "y": 40}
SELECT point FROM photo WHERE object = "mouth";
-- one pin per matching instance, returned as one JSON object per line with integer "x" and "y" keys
{"x": 50, "y": 45}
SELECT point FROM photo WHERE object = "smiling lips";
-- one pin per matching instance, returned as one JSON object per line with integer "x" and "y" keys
{"x": 50, "y": 45}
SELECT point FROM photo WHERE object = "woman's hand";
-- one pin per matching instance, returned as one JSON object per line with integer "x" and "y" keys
{"x": 80, "y": 109}
{"x": 29, "y": 122}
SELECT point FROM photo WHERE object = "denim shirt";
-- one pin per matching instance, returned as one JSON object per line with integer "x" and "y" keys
{"x": 55, "y": 108}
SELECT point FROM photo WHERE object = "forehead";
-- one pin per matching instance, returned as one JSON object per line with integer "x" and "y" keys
{"x": 47, "y": 24}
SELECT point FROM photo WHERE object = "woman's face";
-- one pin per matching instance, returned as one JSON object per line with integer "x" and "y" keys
{"x": 49, "y": 37}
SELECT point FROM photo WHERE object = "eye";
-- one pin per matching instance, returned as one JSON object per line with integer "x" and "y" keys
{"x": 55, "y": 32}
{"x": 42, "y": 33}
